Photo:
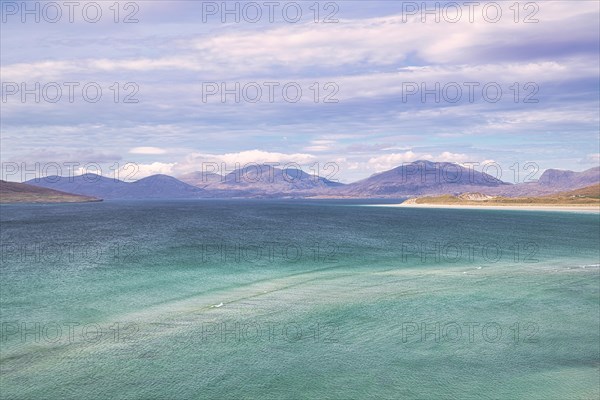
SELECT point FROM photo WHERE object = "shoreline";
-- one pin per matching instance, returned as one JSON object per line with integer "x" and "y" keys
{"x": 592, "y": 209}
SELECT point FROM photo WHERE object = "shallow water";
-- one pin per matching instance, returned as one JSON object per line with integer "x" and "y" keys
{"x": 297, "y": 299}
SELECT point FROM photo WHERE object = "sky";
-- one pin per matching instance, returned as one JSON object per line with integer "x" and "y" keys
{"x": 345, "y": 89}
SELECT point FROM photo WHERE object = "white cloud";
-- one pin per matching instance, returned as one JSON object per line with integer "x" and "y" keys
{"x": 320, "y": 145}
{"x": 144, "y": 170}
{"x": 593, "y": 158}
{"x": 488, "y": 162}
{"x": 230, "y": 161}
{"x": 147, "y": 150}
{"x": 389, "y": 161}
{"x": 350, "y": 42}
{"x": 130, "y": 171}
{"x": 446, "y": 156}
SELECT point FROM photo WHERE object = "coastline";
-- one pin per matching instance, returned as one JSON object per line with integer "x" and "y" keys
{"x": 49, "y": 200}
{"x": 594, "y": 209}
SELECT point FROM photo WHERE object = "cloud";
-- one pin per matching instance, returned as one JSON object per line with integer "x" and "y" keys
{"x": 446, "y": 156}
{"x": 369, "y": 58}
{"x": 389, "y": 161}
{"x": 147, "y": 150}
{"x": 593, "y": 158}
{"x": 229, "y": 161}
{"x": 134, "y": 171}
{"x": 320, "y": 145}
{"x": 361, "y": 43}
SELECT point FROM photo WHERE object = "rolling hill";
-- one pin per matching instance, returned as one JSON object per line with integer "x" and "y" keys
{"x": 13, "y": 192}
{"x": 152, "y": 187}
{"x": 589, "y": 195}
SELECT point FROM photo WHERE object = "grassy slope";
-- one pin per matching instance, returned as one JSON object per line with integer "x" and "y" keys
{"x": 586, "y": 196}
{"x": 12, "y": 192}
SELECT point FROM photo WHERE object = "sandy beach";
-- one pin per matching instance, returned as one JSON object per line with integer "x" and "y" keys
{"x": 578, "y": 208}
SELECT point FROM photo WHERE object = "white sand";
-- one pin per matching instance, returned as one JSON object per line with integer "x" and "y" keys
{"x": 578, "y": 208}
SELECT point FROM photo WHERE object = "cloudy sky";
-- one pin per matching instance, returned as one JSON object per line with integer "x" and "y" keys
{"x": 364, "y": 85}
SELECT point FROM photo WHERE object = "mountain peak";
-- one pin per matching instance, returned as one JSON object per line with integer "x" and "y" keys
{"x": 566, "y": 179}
{"x": 421, "y": 177}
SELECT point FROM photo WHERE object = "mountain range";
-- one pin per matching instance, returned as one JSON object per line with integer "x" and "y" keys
{"x": 152, "y": 187}
{"x": 262, "y": 181}
{"x": 421, "y": 178}
{"x": 265, "y": 181}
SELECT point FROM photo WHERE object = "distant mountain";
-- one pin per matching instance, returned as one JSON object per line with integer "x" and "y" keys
{"x": 163, "y": 187}
{"x": 200, "y": 179}
{"x": 13, "y": 192}
{"x": 152, "y": 187}
{"x": 87, "y": 185}
{"x": 422, "y": 178}
{"x": 567, "y": 180}
{"x": 430, "y": 178}
{"x": 552, "y": 181}
{"x": 263, "y": 181}
{"x": 250, "y": 182}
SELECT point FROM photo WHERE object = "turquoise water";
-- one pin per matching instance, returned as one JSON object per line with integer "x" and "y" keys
{"x": 275, "y": 300}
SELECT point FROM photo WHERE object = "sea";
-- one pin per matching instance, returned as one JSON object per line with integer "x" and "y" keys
{"x": 297, "y": 299}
